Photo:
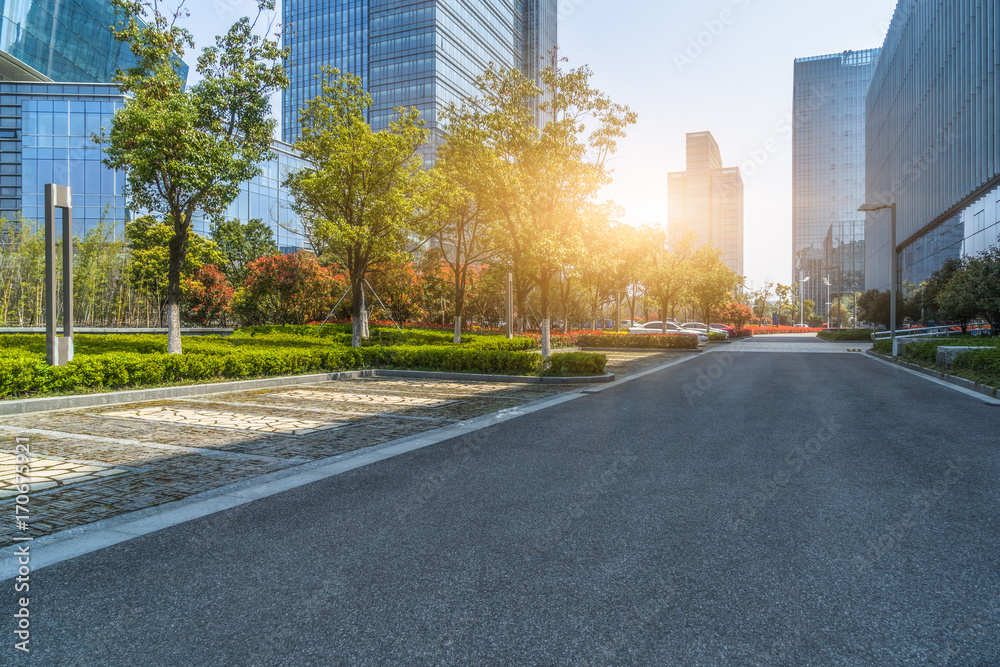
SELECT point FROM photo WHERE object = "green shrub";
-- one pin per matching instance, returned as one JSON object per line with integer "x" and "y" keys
{"x": 500, "y": 343}
{"x": 575, "y": 364}
{"x": 882, "y": 346}
{"x": 640, "y": 341}
{"x": 982, "y": 365}
{"x": 716, "y": 336}
{"x": 453, "y": 360}
{"x": 847, "y": 335}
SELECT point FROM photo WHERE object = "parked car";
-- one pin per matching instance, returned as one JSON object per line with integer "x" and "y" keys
{"x": 671, "y": 328}
{"x": 725, "y": 327}
{"x": 695, "y": 325}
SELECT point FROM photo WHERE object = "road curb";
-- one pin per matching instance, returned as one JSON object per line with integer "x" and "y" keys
{"x": 968, "y": 385}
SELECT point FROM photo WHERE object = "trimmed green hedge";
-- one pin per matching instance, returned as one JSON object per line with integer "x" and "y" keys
{"x": 24, "y": 374}
{"x": 848, "y": 335}
{"x": 640, "y": 341}
{"x": 717, "y": 336}
{"x": 575, "y": 364}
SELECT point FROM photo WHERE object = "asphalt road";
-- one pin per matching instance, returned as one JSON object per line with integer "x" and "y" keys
{"x": 738, "y": 509}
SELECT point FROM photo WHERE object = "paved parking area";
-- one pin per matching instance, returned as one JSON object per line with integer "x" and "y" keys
{"x": 92, "y": 464}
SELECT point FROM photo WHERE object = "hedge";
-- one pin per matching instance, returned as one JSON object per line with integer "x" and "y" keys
{"x": 846, "y": 335}
{"x": 640, "y": 341}
{"x": 21, "y": 374}
{"x": 575, "y": 364}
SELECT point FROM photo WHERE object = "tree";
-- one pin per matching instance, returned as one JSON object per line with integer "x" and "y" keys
{"x": 207, "y": 296}
{"x": 364, "y": 189}
{"x": 737, "y": 314}
{"x": 187, "y": 150}
{"x": 668, "y": 274}
{"x": 712, "y": 281}
{"x": 761, "y": 300}
{"x": 397, "y": 285}
{"x": 239, "y": 244}
{"x": 539, "y": 181}
{"x": 149, "y": 265}
{"x": 287, "y": 289}
{"x": 463, "y": 232}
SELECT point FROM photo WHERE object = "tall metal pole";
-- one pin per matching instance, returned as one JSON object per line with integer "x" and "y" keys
{"x": 51, "y": 349}
{"x": 894, "y": 267}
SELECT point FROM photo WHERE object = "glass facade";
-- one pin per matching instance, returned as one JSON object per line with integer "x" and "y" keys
{"x": 708, "y": 199}
{"x": 45, "y": 137}
{"x": 829, "y": 172}
{"x": 932, "y": 143}
{"x": 422, "y": 53}
{"x": 62, "y": 40}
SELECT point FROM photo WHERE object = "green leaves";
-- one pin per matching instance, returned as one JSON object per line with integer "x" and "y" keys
{"x": 184, "y": 150}
{"x": 366, "y": 190}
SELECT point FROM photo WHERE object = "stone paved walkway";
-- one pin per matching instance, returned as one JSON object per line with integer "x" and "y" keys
{"x": 91, "y": 464}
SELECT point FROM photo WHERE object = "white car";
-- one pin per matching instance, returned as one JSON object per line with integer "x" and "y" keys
{"x": 675, "y": 329}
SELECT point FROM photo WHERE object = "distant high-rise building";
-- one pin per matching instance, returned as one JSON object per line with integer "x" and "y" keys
{"x": 424, "y": 54}
{"x": 828, "y": 235}
{"x": 708, "y": 199}
{"x": 933, "y": 145}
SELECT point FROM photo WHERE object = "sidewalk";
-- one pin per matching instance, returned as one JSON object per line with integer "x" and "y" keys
{"x": 96, "y": 463}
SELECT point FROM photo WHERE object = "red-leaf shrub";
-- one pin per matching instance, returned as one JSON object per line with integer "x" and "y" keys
{"x": 288, "y": 289}
{"x": 207, "y": 296}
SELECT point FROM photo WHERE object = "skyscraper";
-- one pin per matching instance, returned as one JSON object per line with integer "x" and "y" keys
{"x": 57, "y": 60}
{"x": 708, "y": 199}
{"x": 66, "y": 41}
{"x": 828, "y": 234}
{"x": 933, "y": 145}
{"x": 424, "y": 53}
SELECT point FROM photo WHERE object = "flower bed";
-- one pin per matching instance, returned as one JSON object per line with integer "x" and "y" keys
{"x": 762, "y": 331}
{"x": 846, "y": 335}
{"x": 644, "y": 341}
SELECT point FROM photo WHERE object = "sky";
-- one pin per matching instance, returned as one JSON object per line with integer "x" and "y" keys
{"x": 719, "y": 65}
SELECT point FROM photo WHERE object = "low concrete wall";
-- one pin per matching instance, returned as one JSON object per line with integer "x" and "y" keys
{"x": 946, "y": 355}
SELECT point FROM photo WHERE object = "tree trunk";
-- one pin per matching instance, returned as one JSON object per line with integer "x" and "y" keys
{"x": 359, "y": 316}
{"x": 178, "y": 250}
{"x": 544, "y": 303}
{"x": 459, "y": 306}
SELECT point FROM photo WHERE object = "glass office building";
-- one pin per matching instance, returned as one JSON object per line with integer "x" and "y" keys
{"x": 46, "y": 137}
{"x": 708, "y": 199}
{"x": 829, "y": 173}
{"x": 932, "y": 143}
{"x": 424, "y": 54}
{"x": 61, "y": 40}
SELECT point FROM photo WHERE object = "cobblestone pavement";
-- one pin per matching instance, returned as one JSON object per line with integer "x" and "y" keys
{"x": 96, "y": 463}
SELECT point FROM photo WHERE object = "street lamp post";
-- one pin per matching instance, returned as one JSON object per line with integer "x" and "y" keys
{"x": 802, "y": 284}
{"x": 826, "y": 281}
{"x": 866, "y": 208}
